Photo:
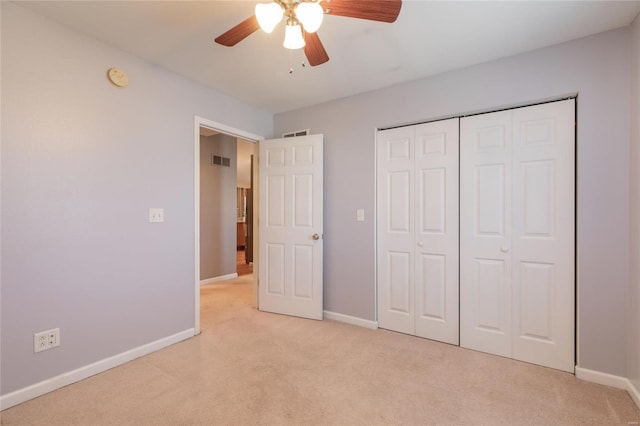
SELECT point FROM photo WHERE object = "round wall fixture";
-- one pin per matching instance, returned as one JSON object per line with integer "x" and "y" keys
{"x": 118, "y": 77}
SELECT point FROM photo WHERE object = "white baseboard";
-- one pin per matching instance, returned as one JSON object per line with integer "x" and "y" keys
{"x": 220, "y": 278}
{"x": 601, "y": 378}
{"x": 64, "y": 379}
{"x": 609, "y": 380}
{"x": 634, "y": 392}
{"x": 351, "y": 320}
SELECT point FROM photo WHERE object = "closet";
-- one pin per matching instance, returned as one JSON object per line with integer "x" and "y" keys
{"x": 517, "y": 233}
{"x": 417, "y": 217}
{"x": 515, "y": 249}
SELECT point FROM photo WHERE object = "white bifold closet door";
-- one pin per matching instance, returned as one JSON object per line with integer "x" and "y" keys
{"x": 517, "y": 233}
{"x": 417, "y": 237}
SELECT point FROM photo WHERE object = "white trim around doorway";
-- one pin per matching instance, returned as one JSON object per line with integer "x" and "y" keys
{"x": 222, "y": 128}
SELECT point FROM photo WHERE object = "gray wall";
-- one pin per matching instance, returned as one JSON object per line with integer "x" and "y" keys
{"x": 82, "y": 161}
{"x": 598, "y": 68}
{"x": 634, "y": 212}
{"x": 218, "y": 203}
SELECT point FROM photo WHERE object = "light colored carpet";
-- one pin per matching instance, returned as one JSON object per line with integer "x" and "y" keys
{"x": 249, "y": 367}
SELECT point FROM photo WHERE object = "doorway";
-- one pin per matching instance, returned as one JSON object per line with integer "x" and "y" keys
{"x": 244, "y": 207}
{"x": 221, "y": 160}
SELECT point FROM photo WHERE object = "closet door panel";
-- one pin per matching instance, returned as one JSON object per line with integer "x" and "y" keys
{"x": 432, "y": 287}
{"x": 485, "y": 232}
{"x": 436, "y": 235}
{"x": 544, "y": 234}
{"x": 488, "y": 290}
{"x": 432, "y": 192}
{"x": 395, "y": 223}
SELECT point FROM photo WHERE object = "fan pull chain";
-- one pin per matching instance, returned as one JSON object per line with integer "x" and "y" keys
{"x": 290, "y": 67}
{"x": 302, "y": 62}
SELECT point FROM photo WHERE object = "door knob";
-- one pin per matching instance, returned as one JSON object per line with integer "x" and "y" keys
{"x": 420, "y": 243}
{"x": 504, "y": 249}
{"x": 315, "y": 237}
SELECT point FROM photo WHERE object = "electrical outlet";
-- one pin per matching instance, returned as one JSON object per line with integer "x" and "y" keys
{"x": 156, "y": 215}
{"x": 46, "y": 340}
{"x": 39, "y": 342}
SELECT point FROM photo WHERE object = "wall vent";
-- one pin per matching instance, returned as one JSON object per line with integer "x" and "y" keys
{"x": 218, "y": 160}
{"x": 296, "y": 133}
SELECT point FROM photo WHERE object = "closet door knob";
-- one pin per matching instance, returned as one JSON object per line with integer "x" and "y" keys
{"x": 420, "y": 243}
{"x": 315, "y": 237}
{"x": 504, "y": 249}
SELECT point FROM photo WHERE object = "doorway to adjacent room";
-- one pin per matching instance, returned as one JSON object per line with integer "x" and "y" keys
{"x": 223, "y": 221}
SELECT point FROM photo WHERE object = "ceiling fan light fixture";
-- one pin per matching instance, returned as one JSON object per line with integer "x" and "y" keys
{"x": 297, "y": 19}
{"x": 293, "y": 37}
{"x": 310, "y": 15}
{"x": 268, "y": 15}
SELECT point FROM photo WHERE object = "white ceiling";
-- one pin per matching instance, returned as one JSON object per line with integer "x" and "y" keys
{"x": 429, "y": 37}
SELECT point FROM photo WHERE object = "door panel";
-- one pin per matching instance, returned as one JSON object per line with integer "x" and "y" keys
{"x": 275, "y": 269}
{"x": 399, "y": 282}
{"x": 395, "y": 219}
{"x": 434, "y": 285}
{"x": 536, "y": 300}
{"x": 303, "y": 270}
{"x": 436, "y": 234}
{"x": 537, "y": 202}
{"x": 274, "y": 200}
{"x": 417, "y": 192}
{"x": 489, "y": 200}
{"x": 399, "y": 204}
{"x": 485, "y": 232}
{"x": 488, "y": 287}
{"x": 290, "y": 275}
{"x": 432, "y": 192}
{"x": 544, "y": 234}
{"x": 303, "y": 201}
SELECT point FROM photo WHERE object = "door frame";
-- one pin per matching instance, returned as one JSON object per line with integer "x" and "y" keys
{"x": 231, "y": 131}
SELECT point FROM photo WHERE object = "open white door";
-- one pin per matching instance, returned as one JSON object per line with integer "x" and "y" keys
{"x": 291, "y": 226}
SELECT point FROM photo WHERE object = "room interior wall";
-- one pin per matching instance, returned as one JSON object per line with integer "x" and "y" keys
{"x": 82, "y": 162}
{"x": 634, "y": 212}
{"x": 217, "y": 207}
{"x": 597, "y": 68}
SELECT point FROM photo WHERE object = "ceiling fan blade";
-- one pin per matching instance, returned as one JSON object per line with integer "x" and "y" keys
{"x": 239, "y": 32}
{"x": 314, "y": 50}
{"x": 373, "y": 10}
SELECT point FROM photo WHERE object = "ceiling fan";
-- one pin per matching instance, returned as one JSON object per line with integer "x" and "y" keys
{"x": 304, "y": 17}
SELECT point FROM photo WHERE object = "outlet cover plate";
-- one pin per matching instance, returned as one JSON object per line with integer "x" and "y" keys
{"x": 46, "y": 340}
{"x": 156, "y": 215}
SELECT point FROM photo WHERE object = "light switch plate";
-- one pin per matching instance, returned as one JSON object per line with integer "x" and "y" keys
{"x": 156, "y": 215}
{"x": 360, "y": 215}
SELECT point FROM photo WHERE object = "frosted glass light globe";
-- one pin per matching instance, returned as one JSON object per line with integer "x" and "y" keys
{"x": 310, "y": 14}
{"x": 268, "y": 15}
{"x": 293, "y": 37}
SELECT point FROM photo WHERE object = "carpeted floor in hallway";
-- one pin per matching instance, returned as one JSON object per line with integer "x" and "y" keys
{"x": 249, "y": 367}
